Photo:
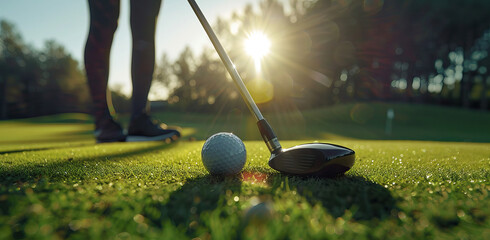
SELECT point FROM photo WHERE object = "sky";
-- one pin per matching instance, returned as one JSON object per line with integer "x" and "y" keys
{"x": 66, "y": 22}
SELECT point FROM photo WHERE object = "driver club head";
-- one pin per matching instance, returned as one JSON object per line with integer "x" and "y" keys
{"x": 313, "y": 159}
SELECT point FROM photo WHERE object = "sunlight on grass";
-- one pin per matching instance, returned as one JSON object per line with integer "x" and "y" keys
{"x": 32, "y": 132}
{"x": 187, "y": 131}
{"x": 51, "y": 167}
{"x": 332, "y": 136}
{"x": 154, "y": 190}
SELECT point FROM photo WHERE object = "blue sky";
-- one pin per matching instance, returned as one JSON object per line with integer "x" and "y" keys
{"x": 66, "y": 21}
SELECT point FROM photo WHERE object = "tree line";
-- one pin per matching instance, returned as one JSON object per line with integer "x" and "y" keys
{"x": 322, "y": 53}
{"x": 38, "y": 82}
{"x": 331, "y": 51}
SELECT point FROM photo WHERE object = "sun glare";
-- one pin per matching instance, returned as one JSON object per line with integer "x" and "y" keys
{"x": 257, "y": 45}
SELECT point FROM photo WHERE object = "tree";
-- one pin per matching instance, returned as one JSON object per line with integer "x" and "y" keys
{"x": 63, "y": 83}
{"x": 184, "y": 69}
{"x": 12, "y": 60}
{"x": 33, "y": 82}
{"x": 325, "y": 52}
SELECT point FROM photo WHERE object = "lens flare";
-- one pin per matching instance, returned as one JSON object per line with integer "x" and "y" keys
{"x": 261, "y": 90}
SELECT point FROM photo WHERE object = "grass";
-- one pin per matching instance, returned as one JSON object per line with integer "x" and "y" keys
{"x": 348, "y": 121}
{"x": 62, "y": 185}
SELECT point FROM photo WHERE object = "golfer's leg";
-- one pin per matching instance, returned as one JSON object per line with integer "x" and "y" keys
{"x": 143, "y": 23}
{"x": 103, "y": 23}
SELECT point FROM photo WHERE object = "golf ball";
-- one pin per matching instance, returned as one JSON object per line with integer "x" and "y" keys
{"x": 223, "y": 154}
{"x": 259, "y": 214}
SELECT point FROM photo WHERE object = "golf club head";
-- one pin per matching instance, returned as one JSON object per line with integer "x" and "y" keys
{"x": 313, "y": 159}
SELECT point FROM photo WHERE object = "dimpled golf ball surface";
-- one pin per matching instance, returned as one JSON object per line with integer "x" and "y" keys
{"x": 223, "y": 154}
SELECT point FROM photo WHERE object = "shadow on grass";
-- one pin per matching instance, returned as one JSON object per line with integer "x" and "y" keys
{"x": 209, "y": 195}
{"x": 35, "y": 149}
{"x": 199, "y": 196}
{"x": 57, "y": 118}
{"x": 54, "y": 170}
{"x": 365, "y": 199}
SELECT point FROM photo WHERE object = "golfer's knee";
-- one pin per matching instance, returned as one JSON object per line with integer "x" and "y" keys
{"x": 103, "y": 32}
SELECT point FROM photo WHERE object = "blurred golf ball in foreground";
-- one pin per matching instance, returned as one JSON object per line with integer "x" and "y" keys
{"x": 259, "y": 213}
{"x": 223, "y": 154}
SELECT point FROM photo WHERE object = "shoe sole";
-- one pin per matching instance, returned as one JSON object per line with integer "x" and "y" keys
{"x": 169, "y": 136}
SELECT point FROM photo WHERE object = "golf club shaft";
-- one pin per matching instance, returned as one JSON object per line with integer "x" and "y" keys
{"x": 264, "y": 127}
{"x": 227, "y": 61}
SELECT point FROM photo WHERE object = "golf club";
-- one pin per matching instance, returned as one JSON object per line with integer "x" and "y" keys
{"x": 312, "y": 159}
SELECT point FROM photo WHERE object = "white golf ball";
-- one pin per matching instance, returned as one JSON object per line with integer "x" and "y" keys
{"x": 223, "y": 154}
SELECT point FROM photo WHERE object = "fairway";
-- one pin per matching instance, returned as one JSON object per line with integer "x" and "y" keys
{"x": 248, "y": 119}
{"x": 59, "y": 184}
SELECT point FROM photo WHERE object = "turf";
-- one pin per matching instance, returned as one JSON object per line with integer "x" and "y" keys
{"x": 68, "y": 187}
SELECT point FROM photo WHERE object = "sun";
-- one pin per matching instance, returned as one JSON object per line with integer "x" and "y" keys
{"x": 257, "y": 45}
